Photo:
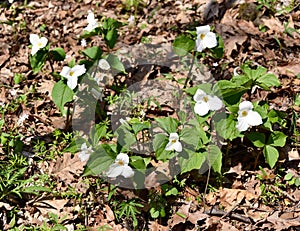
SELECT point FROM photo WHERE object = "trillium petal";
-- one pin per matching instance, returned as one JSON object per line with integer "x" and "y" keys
{"x": 198, "y": 97}
{"x": 91, "y": 17}
{"x": 78, "y": 70}
{"x": 253, "y": 118}
{"x": 214, "y": 103}
{"x": 199, "y": 45}
{"x": 173, "y": 136}
{"x": 177, "y": 146}
{"x": 169, "y": 146}
{"x": 83, "y": 156}
{"x": 83, "y": 146}
{"x": 202, "y": 29}
{"x": 242, "y": 124}
{"x": 65, "y": 72}
{"x": 44, "y": 42}
{"x": 114, "y": 170}
{"x": 210, "y": 40}
{"x": 34, "y": 50}
{"x": 33, "y": 38}
{"x": 123, "y": 157}
{"x": 201, "y": 108}
{"x": 103, "y": 64}
{"x": 127, "y": 171}
{"x": 245, "y": 106}
{"x": 89, "y": 27}
{"x": 72, "y": 82}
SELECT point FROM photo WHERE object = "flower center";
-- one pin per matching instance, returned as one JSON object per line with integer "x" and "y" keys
{"x": 244, "y": 113}
{"x": 40, "y": 44}
{"x": 174, "y": 141}
{"x": 71, "y": 73}
{"x": 120, "y": 162}
{"x": 202, "y": 36}
{"x": 205, "y": 99}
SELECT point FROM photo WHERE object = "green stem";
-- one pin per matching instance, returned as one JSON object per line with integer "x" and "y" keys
{"x": 51, "y": 65}
{"x": 190, "y": 71}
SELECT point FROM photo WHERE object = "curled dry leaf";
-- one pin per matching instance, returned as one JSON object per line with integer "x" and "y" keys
{"x": 293, "y": 154}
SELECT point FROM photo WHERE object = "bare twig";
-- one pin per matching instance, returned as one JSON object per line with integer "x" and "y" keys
{"x": 221, "y": 213}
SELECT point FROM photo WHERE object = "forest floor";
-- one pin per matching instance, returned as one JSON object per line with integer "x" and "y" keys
{"x": 248, "y": 196}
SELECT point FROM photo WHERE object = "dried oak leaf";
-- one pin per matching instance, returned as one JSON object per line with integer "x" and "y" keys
{"x": 57, "y": 207}
{"x": 46, "y": 87}
{"x": 290, "y": 70}
{"x": 230, "y": 44}
{"x": 273, "y": 24}
{"x": 282, "y": 224}
{"x": 183, "y": 214}
{"x": 66, "y": 167}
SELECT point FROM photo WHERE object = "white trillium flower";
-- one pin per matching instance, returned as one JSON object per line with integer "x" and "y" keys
{"x": 205, "y": 38}
{"x": 131, "y": 20}
{"x": 104, "y": 65}
{"x": 13, "y": 92}
{"x": 22, "y": 118}
{"x": 83, "y": 43}
{"x": 92, "y": 22}
{"x": 37, "y": 43}
{"x": 72, "y": 74}
{"x": 247, "y": 117}
{"x": 85, "y": 152}
{"x": 174, "y": 143}
{"x": 10, "y": 1}
{"x": 120, "y": 167}
{"x": 205, "y": 103}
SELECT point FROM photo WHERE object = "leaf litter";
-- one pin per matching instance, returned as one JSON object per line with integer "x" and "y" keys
{"x": 239, "y": 204}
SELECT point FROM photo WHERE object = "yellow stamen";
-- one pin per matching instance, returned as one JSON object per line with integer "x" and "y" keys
{"x": 205, "y": 99}
{"x": 202, "y": 36}
{"x": 71, "y": 73}
{"x": 244, "y": 113}
{"x": 120, "y": 162}
{"x": 174, "y": 141}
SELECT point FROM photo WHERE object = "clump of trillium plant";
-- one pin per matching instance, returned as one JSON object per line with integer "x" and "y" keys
{"x": 190, "y": 150}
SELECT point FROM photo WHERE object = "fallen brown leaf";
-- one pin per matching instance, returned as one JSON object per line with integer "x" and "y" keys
{"x": 154, "y": 226}
{"x": 283, "y": 224}
{"x": 290, "y": 70}
{"x": 66, "y": 167}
